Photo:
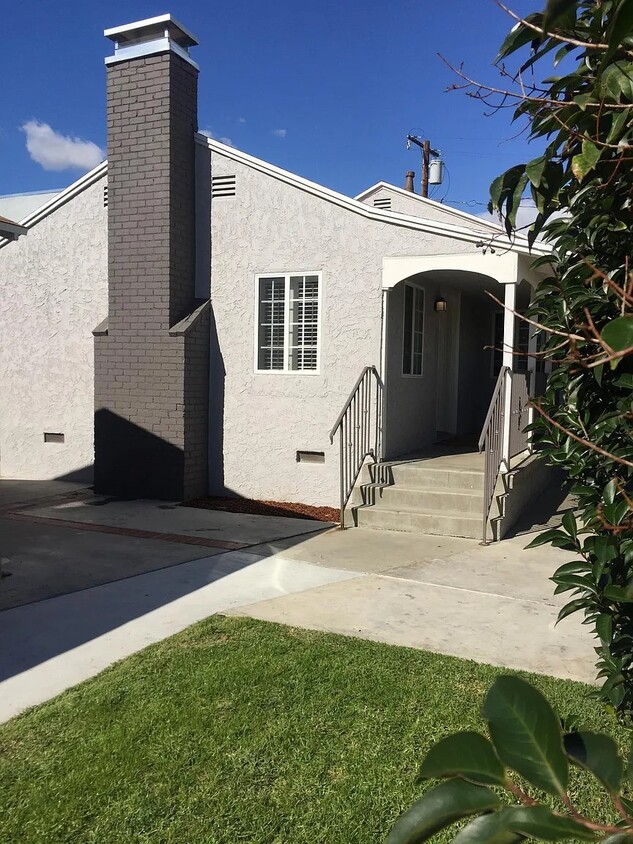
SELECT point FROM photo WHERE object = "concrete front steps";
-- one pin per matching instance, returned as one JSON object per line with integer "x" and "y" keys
{"x": 440, "y": 495}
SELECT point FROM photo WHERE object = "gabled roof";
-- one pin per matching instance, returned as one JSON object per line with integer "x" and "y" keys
{"x": 431, "y": 203}
{"x": 61, "y": 198}
{"x": 10, "y": 230}
{"x": 490, "y": 233}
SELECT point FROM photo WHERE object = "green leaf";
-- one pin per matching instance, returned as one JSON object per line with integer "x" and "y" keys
{"x": 571, "y": 607}
{"x": 439, "y": 807}
{"x": 598, "y": 754}
{"x": 618, "y": 334}
{"x": 609, "y": 492}
{"x": 488, "y": 829}
{"x": 554, "y": 10}
{"x": 619, "y": 594}
{"x": 534, "y": 170}
{"x": 541, "y": 823}
{"x": 569, "y": 523}
{"x": 547, "y": 537}
{"x": 468, "y": 755}
{"x": 586, "y": 160}
{"x": 526, "y": 733}
{"x": 604, "y": 627}
{"x": 618, "y": 838}
{"x": 620, "y": 28}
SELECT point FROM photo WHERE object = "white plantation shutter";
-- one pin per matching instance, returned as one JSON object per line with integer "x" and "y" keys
{"x": 288, "y": 323}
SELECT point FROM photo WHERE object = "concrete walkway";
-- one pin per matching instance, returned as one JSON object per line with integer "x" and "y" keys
{"x": 493, "y": 604}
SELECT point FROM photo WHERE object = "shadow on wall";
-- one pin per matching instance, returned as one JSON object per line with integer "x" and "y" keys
{"x": 84, "y": 475}
{"x": 131, "y": 462}
{"x": 217, "y": 378}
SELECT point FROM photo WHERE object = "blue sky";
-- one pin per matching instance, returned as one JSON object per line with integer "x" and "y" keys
{"x": 326, "y": 89}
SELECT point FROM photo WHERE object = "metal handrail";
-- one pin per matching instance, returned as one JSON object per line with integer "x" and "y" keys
{"x": 491, "y": 441}
{"x": 360, "y": 430}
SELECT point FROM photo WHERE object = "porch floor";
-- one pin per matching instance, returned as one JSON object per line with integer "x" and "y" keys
{"x": 445, "y": 456}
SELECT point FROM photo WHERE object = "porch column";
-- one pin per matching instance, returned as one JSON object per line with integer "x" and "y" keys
{"x": 531, "y": 364}
{"x": 510, "y": 293}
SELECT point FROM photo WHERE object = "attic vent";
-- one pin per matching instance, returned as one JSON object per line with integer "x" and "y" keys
{"x": 105, "y": 196}
{"x": 223, "y": 186}
{"x": 383, "y": 202}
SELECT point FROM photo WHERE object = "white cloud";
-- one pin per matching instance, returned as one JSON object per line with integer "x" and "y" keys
{"x": 55, "y": 151}
{"x": 241, "y": 120}
{"x": 525, "y": 215}
{"x": 209, "y": 134}
{"x": 280, "y": 133}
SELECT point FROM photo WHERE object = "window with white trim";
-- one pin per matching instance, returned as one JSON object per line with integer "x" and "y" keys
{"x": 288, "y": 322}
{"x": 413, "y": 335}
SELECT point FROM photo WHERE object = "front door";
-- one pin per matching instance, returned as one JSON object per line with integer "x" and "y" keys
{"x": 447, "y": 323}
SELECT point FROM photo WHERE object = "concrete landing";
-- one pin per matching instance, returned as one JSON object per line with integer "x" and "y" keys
{"x": 493, "y": 603}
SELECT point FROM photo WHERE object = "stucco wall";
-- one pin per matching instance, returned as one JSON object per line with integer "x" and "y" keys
{"x": 261, "y": 420}
{"x": 53, "y": 292}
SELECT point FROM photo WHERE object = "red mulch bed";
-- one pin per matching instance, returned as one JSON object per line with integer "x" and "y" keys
{"x": 266, "y": 508}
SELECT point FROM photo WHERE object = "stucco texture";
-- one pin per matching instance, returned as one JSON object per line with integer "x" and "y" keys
{"x": 53, "y": 292}
{"x": 262, "y": 420}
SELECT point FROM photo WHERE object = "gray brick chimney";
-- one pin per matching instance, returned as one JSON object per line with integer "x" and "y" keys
{"x": 151, "y": 354}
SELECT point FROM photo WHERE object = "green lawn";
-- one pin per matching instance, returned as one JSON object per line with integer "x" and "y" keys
{"x": 242, "y": 731}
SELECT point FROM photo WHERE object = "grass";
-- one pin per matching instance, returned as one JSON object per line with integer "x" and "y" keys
{"x": 243, "y": 731}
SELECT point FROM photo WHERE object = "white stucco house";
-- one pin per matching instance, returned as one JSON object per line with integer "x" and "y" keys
{"x": 309, "y": 307}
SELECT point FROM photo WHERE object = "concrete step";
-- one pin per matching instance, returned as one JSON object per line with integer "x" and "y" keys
{"x": 418, "y": 476}
{"x": 427, "y": 500}
{"x": 442, "y": 524}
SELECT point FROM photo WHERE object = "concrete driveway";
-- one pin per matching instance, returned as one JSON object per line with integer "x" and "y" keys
{"x": 94, "y": 579}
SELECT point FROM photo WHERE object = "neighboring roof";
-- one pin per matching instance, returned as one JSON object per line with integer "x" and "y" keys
{"x": 495, "y": 236}
{"x": 17, "y": 206}
{"x": 61, "y": 198}
{"x": 431, "y": 203}
{"x": 10, "y": 230}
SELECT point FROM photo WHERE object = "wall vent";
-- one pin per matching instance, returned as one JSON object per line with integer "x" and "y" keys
{"x": 53, "y": 438}
{"x": 222, "y": 186}
{"x": 105, "y": 196}
{"x": 310, "y": 457}
{"x": 383, "y": 202}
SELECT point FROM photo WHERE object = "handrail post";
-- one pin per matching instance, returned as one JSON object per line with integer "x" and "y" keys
{"x": 354, "y": 425}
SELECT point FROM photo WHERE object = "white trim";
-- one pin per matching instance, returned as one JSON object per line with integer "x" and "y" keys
{"x": 520, "y": 245}
{"x": 502, "y": 268}
{"x": 113, "y": 31}
{"x": 149, "y": 48}
{"x": 63, "y": 197}
{"x": 414, "y": 286}
{"x": 464, "y": 215}
{"x": 286, "y": 275}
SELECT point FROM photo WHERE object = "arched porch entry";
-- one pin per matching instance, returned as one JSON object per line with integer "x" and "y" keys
{"x": 444, "y": 342}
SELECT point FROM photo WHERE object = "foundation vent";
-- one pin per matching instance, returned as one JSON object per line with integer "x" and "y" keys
{"x": 50, "y": 437}
{"x": 310, "y": 457}
{"x": 222, "y": 186}
{"x": 105, "y": 196}
{"x": 383, "y": 202}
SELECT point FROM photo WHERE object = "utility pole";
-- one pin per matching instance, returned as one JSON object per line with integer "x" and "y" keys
{"x": 425, "y": 146}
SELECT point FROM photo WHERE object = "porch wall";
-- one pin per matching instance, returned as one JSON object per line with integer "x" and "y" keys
{"x": 410, "y": 417}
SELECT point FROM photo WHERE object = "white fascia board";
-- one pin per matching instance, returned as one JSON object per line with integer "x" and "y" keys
{"x": 464, "y": 215}
{"x": 497, "y": 239}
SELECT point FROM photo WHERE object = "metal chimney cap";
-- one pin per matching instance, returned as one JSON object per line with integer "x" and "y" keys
{"x": 149, "y": 37}
{"x": 165, "y": 26}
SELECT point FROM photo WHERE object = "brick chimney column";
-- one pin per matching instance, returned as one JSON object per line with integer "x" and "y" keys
{"x": 151, "y": 359}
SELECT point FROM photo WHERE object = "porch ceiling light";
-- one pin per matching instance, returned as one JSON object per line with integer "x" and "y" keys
{"x": 440, "y": 304}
